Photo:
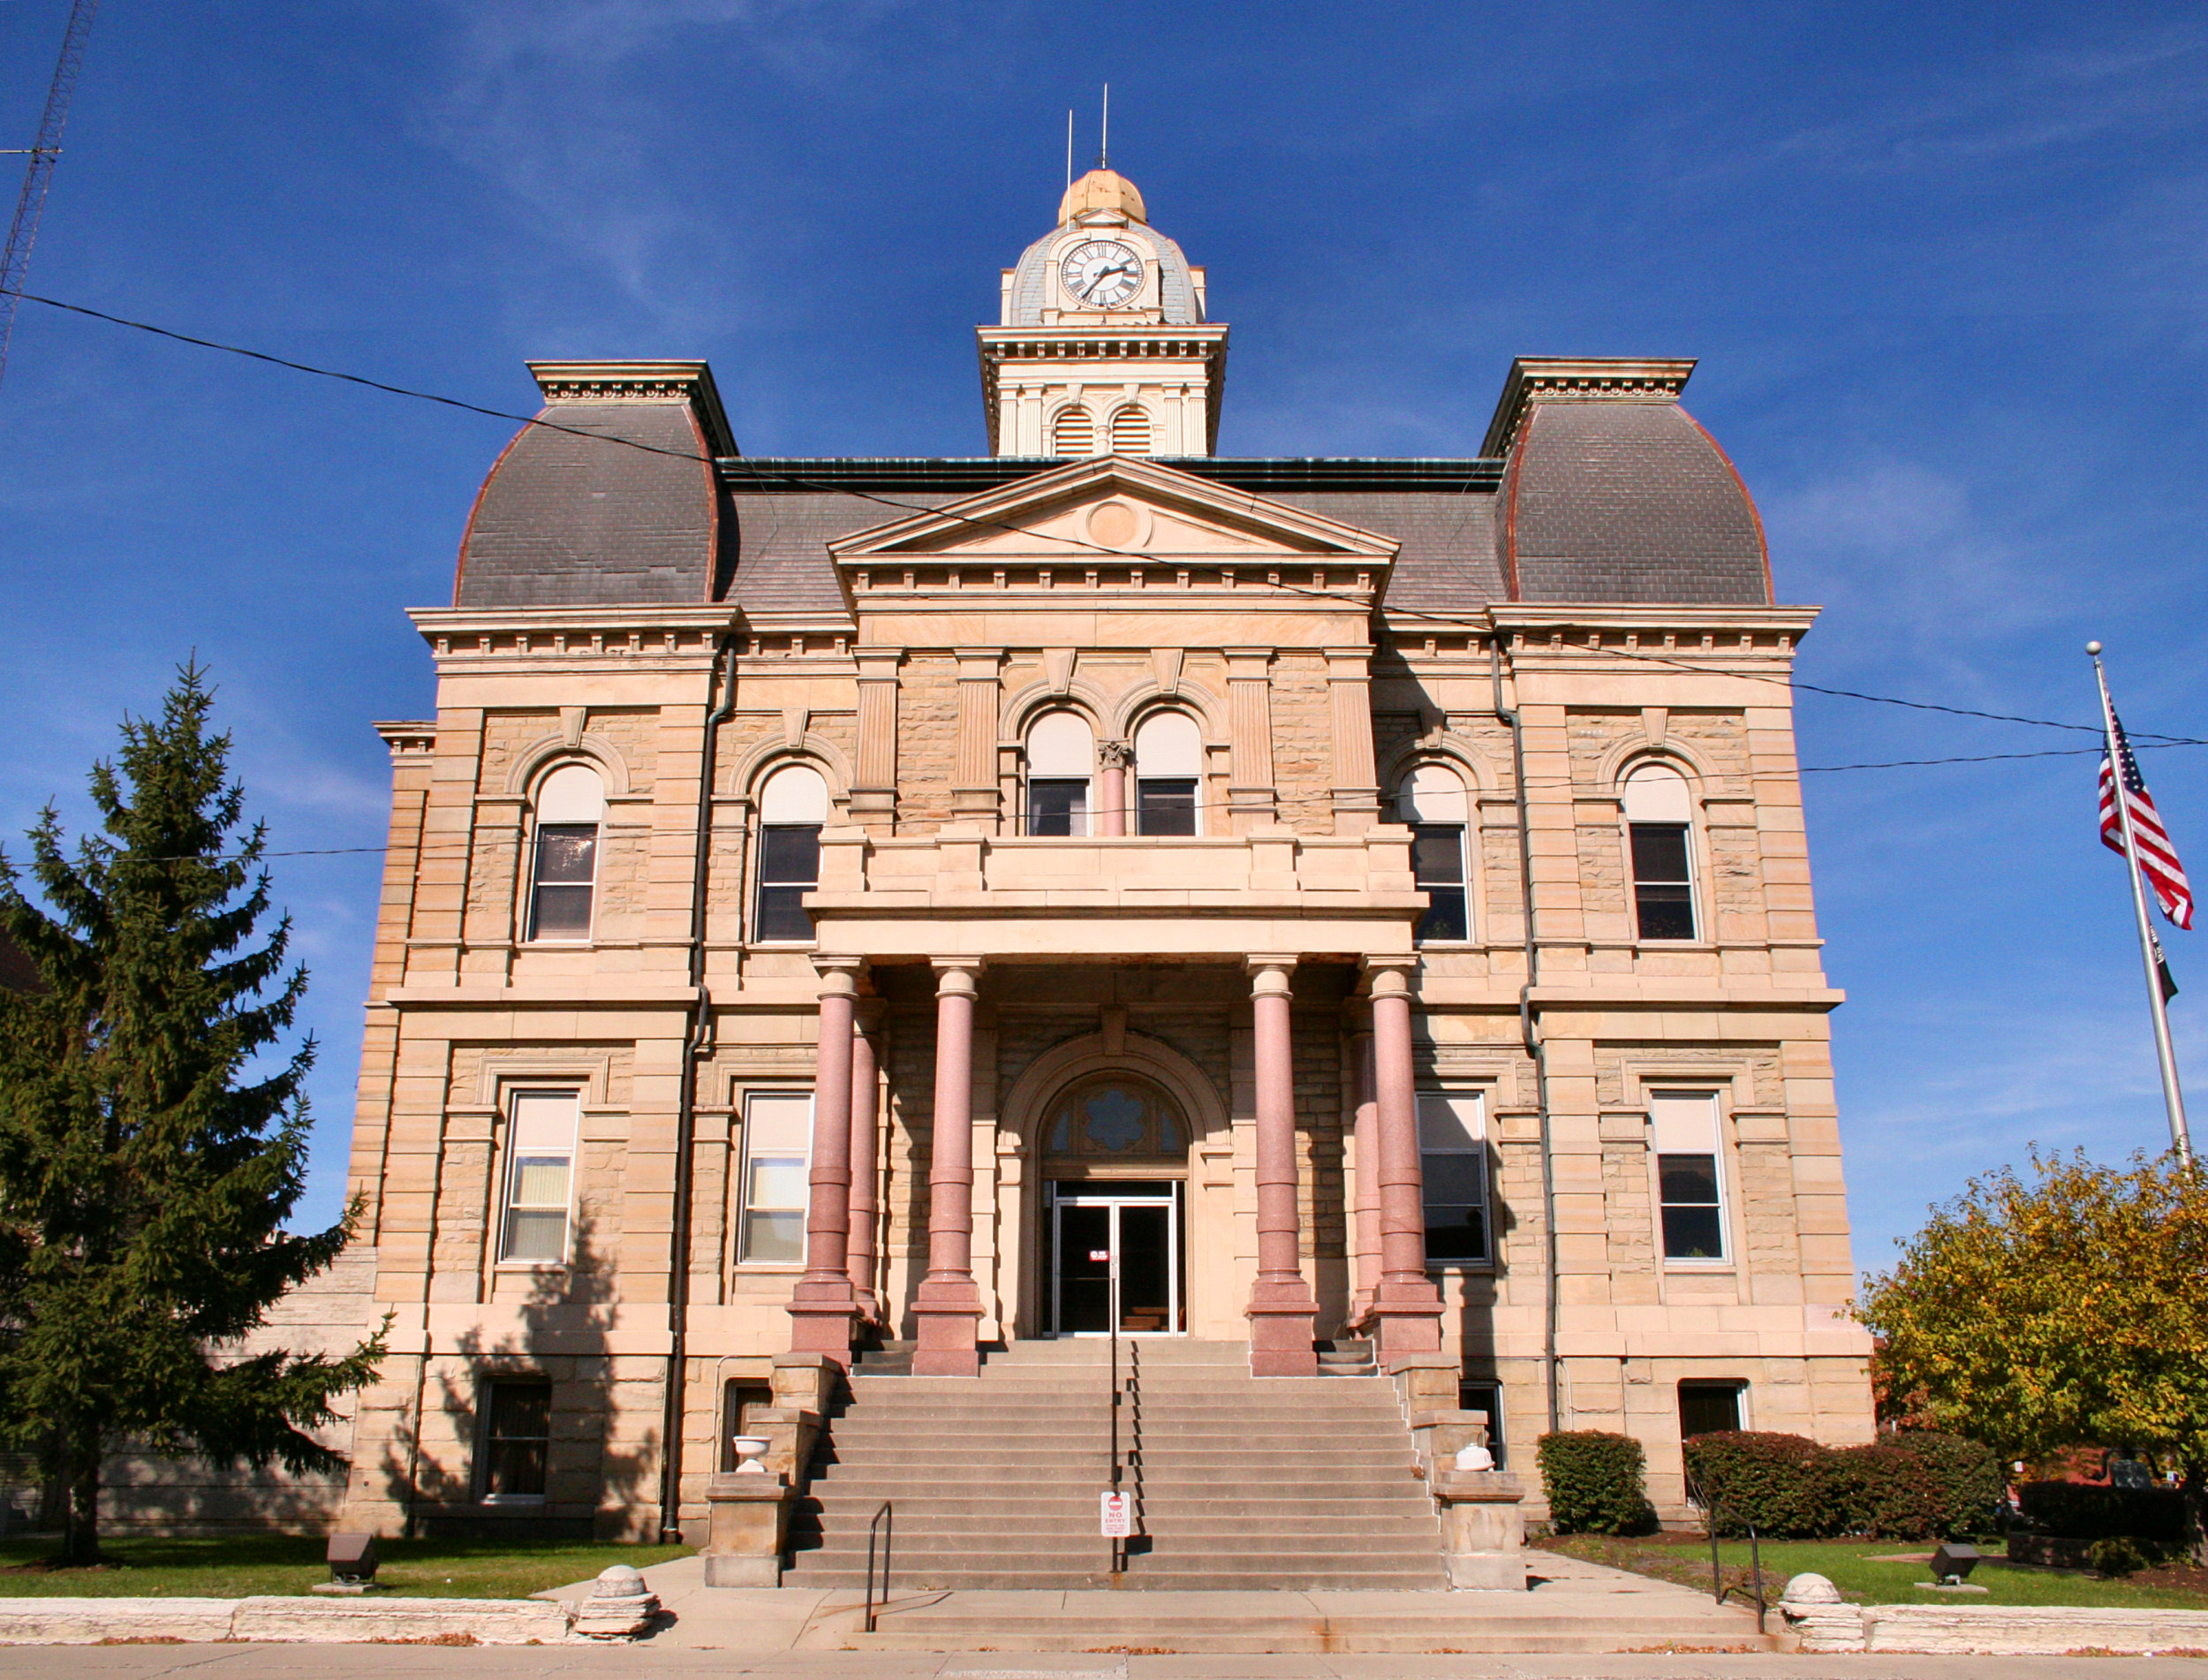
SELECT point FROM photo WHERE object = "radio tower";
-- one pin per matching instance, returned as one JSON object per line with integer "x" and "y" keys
{"x": 40, "y": 174}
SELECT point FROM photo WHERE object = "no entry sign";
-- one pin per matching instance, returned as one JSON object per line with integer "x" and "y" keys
{"x": 1116, "y": 1518}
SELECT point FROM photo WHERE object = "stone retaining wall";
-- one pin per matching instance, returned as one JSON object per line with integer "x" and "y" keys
{"x": 1993, "y": 1630}
{"x": 302, "y": 1621}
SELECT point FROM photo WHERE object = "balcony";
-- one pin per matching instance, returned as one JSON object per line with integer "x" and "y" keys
{"x": 967, "y": 894}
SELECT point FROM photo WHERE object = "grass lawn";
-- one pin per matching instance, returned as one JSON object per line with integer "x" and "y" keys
{"x": 1848, "y": 1565}
{"x": 247, "y": 1564}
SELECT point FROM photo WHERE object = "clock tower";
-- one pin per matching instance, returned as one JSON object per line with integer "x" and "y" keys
{"x": 1102, "y": 347}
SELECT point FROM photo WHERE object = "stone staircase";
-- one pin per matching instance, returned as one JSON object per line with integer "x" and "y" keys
{"x": 1241, "y": 1484}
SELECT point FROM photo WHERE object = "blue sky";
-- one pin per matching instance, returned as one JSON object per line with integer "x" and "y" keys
{"x": 1945, "y": 268}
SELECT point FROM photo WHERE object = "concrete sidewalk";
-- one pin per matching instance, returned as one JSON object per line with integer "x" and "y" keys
{"x": 648, "y": 1662}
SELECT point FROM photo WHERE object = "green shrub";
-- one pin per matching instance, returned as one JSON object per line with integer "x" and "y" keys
{"x": 2118, "y": 1555}
{"x": 1908, "y": 1487}
{"x": 1968, "y": 1475}
{"x": 1782, "y": 1485}
{"x": 2154, "y": 1516}
{"x": 1889, "y": 1493}
{"x": 1595, "y": 1483}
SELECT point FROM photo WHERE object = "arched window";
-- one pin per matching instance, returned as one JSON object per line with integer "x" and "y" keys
{"x": 792, "y": 808}
{"x": 1061, "y": 755}
{"x": 1075, "y": 433}
{"x": 570, "y": 804}
{"x": 1658, "y": 829}
{"x": 1168, "y": 771}
{"x": 1131, "y": 431}
{"x": 1432, "y": 803}
{"x": 1115, "y": 1119}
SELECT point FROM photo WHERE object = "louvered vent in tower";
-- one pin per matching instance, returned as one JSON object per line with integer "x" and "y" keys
{"x": 1130, "y": 431}
{"x": 1075, "y": 433}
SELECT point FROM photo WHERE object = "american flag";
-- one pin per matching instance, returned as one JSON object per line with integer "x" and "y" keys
{"x": 2157, "y": 857}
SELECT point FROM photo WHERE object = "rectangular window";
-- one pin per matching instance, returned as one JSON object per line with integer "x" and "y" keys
{"x": 1165, "y": 805}
{"x": 539, "y": 1175}
{"x": 1688, "y": 1185}
{"x": 739, "y": 1399}
{"x": 789, "y": 868}
{"x": 1476, "y": 1395}
{"x": 1437, "y": 865}
{"x": 1710, "y": 1408}
{"x": 566, "y": 871}
{"x": 777, "y": 1161}
{"x": 1663, "y": 882}
{"x": 517, "y": 1442}
{"x": 1453, "y": 1154}
{"x": 1058, "y": 806}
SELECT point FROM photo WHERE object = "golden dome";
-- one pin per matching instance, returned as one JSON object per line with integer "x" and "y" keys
{"x": 1102, "y": 190}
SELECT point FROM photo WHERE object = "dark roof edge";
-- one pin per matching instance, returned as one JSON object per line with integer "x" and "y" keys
{"x": 796, "y": 474}
{"x": 1626, "y": 379}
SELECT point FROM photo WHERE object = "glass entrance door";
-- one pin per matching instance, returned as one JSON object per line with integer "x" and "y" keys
{"x": 1116, "y": 1247}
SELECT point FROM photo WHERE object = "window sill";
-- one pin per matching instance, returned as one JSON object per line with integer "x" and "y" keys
{"x": 790, "y": 1268}
{"x": 1483, "y": 1266}
{"x": 528, "y": 1268}
{"x": 1703, "y": 1266}
{"x": 511, "y": 1500}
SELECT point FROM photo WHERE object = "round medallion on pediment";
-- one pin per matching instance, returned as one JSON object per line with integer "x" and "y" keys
{"x": 1115, "y": 524}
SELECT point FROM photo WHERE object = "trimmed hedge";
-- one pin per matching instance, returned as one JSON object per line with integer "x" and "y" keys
{"x": 1781, "y": 1484}
{"x": 2154, "y": 1516}
{"x": 1905, "y": 1487}
{"x": 1595, "y": 1482}
{"x": 1971, "y": 1482}
{"x": 1889, "y": 1492}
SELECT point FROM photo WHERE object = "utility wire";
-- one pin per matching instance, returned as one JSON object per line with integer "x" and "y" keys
{"x": 1454, "y": 621}
{"x": 469, "y": 845}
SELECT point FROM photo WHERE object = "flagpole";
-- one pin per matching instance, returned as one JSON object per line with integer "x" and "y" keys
{"x": 2173, "y": 1099}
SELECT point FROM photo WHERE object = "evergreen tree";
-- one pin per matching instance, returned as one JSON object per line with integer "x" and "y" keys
{"x": 149, "y": 1151}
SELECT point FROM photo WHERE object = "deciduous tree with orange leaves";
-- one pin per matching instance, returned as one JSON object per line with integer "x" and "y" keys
{"x": 2064, "y": 1308}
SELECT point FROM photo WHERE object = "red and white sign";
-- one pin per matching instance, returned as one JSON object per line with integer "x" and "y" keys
{"x": 1116, "y": 1519}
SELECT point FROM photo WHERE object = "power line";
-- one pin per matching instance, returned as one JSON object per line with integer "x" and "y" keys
{"x": 1454, "y": 621}
{"x": 469, "y": 845}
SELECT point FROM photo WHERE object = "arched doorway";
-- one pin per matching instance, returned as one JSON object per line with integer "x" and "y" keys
{"x": 1115, "y": 1219}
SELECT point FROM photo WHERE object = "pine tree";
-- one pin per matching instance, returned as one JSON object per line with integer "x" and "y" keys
{"x": 149, "y": 1152}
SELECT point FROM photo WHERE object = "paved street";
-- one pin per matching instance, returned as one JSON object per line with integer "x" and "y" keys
{"x": 617, "y": 1662}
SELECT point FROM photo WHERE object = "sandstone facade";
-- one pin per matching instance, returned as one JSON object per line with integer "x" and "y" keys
{"x": 1231, "y": 931}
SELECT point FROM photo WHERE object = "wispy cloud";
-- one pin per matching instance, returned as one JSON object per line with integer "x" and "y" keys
{"x": 2039, "y": 98}
{"x": 1900, "y": 545}
{"x": 562, "y": 106}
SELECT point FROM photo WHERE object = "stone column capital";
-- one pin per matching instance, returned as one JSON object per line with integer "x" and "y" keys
{"x": 1269, "y": 974}
{"x": 839, "y": 975}
{"x": 956, "y": 976}
{"x": 1390, "y": 975}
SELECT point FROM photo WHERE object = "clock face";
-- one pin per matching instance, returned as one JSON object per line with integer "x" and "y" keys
{"x": 1101, "y": 273}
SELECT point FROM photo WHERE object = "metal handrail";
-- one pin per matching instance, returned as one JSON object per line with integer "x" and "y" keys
{"x": 1119, "y": 1548}
{"x": 885, "y": 1523}
{"x": 1719, "y": 1591}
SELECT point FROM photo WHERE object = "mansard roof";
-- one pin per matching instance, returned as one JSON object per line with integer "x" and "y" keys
{"x": 1597, "y": 487}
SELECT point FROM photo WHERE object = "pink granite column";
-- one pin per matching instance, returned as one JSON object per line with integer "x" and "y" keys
{"x": 1407, "y": 1305}
{"x": 1364, "y": 1146}
{"x": 866, "y": 1170}
{"x": 821, "y": 1307}
{"x": 1111, "y": 787}
{"x": 1282, "y": 1311}
{"x": 947, "y": 1304}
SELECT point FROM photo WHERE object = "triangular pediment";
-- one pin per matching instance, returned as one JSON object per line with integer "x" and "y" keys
{"x": 1112, "y": 506}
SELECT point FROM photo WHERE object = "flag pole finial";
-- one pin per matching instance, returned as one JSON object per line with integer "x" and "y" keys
{"x": 2092, "y": 649}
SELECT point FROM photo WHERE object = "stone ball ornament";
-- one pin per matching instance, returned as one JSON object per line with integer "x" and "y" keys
{"x": 1808, "y": 1588}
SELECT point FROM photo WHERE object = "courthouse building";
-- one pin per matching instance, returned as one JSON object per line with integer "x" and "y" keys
{"x": 1352, "y": 915}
